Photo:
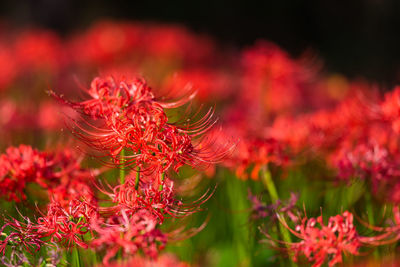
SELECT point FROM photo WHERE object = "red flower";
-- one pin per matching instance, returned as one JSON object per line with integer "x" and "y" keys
{"x": 256, "y": 153}
{"x": 40, "y": 50}
{"x": 51, "y": 170}
{"x": 23, "y": 236}
{"x": 391, "y": 108}
{"x": 327, "y": 241}
{"x": 320, "y": 242}
{"x": 131, "y": 234}
{"x": 67, "y": 225}
{"x": 164, "y": 260}
{"x": 19, "y": 166}
{"x": 126, "y": 116}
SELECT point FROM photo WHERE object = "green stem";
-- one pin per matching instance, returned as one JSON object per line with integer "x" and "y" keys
{"x": 370, "y": 210}
{"x": 269, "y": 184}
{"x": 162, "y": 180}
{"x": 137, "y": 180}
{"x": 76, "y": 257}
{"x": 122, "y": 167}
{"x": 371, "y": 219}
{"x": 241, "y": 237}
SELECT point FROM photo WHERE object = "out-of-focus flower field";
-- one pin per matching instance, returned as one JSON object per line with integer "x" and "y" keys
{"x": 144, "y": 144}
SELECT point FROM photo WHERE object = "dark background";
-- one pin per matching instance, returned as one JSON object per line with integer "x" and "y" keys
{"x": 356, "y": 37}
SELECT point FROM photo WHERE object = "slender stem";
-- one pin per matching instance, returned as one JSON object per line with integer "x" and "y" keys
{"x": 137, "y": 180}
{"x": 162, "y": 180}
{"x": 122, "y": 167}
{"x": 241, "y": 236}
{"x": 76, "y": 257}
{"x": 371, "y": 219}
{"x": 267, "y": 180}
{"x": 370, "y": 210}
{"x": 269, "y": 184}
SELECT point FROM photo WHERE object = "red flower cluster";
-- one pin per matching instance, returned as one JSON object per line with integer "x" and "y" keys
{"x": 61, "y": 225}
{"x": 149, "y": 193}
{"x": 391, "y": 108}
{"x": 374, "y": 164}
{"x": 320, "y": 242}
{"x": 19, "y": 166}
{"x": 254, "y": 154}
{"x": 130, "y": 233}
{"x": 39, "y": 51}
{"x": 269, "y": 74}
{"x": 72, "y": 207}
{"x": 55, "y": 171}
{"x": 128, "y": 117}
{"x": 126, "y": 122}
{"x": 66, "y": 225}
{"x": 164, "y": 260}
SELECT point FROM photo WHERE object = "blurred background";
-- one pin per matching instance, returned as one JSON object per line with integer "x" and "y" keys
{"x": 355, "y": 38}
{"x": 259, "y": 90}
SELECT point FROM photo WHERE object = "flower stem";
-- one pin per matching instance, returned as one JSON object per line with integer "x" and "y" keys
{"x": 76, "y": 257}
{"x": 371, "y": 219}
{"x": 269, "y": 184}
{"x": 137, "y": 180}
{"x": 122, "y": 167}
{"x": 241, "y": 237}
{"x": 162, "y": 180}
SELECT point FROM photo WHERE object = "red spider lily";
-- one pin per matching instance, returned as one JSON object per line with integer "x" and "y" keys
{"x": 391, "y": 108}
{"x": 270, "y": 73}
{"x": 8, "y": 66}
{"x": 23, "y": 164}
{"x": 257, "y": 153}
{"x": 127, "y": 116}
{"x": 130, "y": 234}
{"x": 105, "y": 42}
{"x": 328, "y": 241}
{"x": 60, "y": 225}
{"x": 67, "y": 225}
{"x": 19, "y": 166}
{"x": 39, "y": 50}
{"x": 373, "y": 162}
{"x": 63, "y": 166}
{"x": 73, "y": 189}
{"x": 320, "y": 242}
{"x": 364, "y": 161}
{"x": 323, "y": 130}
{"x": 155, "y": 196}
{"x": 23, "y": 236}
{"x": 164, "y": 260}
{"x": 153, "y": 193}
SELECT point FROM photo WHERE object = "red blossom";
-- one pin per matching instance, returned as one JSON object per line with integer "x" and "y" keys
{"x": 391, "y": 108}
{"x": 39, "y": 50}
{"x": 66, "y": 225}
{"x": 327, "y": 241}
{"x": 23, "y": 236}
{"x": 55, "y": 171}
{"x": 19, "y": 166}
{"x": 129, "y": 233}
{"x": 164, "y": 260}
{"x": 126, "y": 116}
{"x": 320, "y": 242}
